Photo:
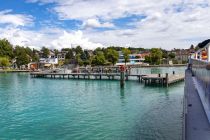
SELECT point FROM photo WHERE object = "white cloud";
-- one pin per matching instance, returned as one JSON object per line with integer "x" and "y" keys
{"x": 94, "y": 23}
{"x": 168, "y": 24}
{"x": 67, "y": 40}
{"x": 52, "y": 38}
{"x": 15, "y": 19}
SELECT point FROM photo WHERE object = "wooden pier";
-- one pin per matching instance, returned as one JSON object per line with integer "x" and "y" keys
{"x": 162, "y": 79}
{"x": 148, "y": 79}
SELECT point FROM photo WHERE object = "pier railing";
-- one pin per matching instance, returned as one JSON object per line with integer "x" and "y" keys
{"x": 201, "y": 71}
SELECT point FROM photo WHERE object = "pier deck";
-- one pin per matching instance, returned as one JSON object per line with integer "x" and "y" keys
{"x": 196, "y": 123}
{"x": 164, "y": 79}
{"x": 146, "y": 78}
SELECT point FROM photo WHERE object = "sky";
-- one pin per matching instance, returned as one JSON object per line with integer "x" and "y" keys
{"x": 60, "y": 24}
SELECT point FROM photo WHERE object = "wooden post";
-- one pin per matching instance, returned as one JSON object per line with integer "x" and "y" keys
{"x": 167, "y": 79}
{"x": 126, "y": 73}
{"x": 122, "y": 79}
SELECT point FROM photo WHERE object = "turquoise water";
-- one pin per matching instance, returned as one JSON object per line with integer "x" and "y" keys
{"x": 35, "y": 108}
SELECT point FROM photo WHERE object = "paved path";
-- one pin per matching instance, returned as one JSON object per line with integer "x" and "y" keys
{"x": 197, "y": 126}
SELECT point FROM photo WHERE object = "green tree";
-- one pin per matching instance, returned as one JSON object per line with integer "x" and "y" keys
{"x": 79, "y": 60}
{"x": 78, "y": 50}
{"x": 156, "y": 56}
{"x": 4, "y": 62}
{"x": 6, "y": 49}
{"x": 35, "y": 56}
{"x": 70, "y": 54}
{"x": 28, "y": 51}
{"x": 171, "y": 55}
{"x": 56, "y": 52}
{"x": 164, "y": 54}
{"x": 147, "y": 59}
{"x": 23, "y": 55}
{"x": 99, "y": 58}
{"x": 45, "y": 52}
{"x": 112, "y": 56}
{"x": 126, "y": 52}
{"x": 97, "y": 50}
{"x": 22, "y": 59}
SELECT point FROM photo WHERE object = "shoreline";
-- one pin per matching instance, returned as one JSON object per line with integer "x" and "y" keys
{"x": 11, "y": 71}
{"x": 137, "y": 66}
{"x": 163, "y": 65}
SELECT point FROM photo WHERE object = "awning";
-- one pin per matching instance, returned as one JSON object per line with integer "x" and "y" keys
{"x": 47, "y": 65}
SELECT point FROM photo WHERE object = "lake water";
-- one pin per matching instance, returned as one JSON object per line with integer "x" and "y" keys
{"x": 36, "y": 108}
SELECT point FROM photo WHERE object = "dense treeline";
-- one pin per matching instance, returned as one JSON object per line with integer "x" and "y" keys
{"x": 20, "y": 55}
{"x": 99, "y": 56}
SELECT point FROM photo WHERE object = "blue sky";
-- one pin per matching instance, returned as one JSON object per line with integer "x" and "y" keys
{"x": 95, "y": 23}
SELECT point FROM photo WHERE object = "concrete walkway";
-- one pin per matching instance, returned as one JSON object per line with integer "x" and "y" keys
{"x": 196, "y": 124}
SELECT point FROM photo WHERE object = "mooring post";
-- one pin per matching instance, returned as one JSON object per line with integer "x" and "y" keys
{"x": 173, "y": 72}
{"x": 167, "y": 79}
{"x": 122, "y": 76}
{"x": 122, "y": 79}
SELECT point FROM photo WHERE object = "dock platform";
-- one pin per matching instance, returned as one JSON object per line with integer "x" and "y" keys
{"x": 160, "y": 79}
{"x": 164, "y": 79}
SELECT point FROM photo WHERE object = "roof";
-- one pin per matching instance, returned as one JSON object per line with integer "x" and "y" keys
{"x": 204, "y": 43}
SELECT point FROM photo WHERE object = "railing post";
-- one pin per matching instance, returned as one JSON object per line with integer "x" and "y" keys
{"x": 200, "y": 55}
{"x": 208, "y": 53}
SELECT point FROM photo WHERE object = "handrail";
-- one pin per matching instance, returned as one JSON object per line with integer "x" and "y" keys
{"x": 199, "y": 54}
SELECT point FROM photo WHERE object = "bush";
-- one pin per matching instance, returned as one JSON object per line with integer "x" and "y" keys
{"x": 4, "y": 62}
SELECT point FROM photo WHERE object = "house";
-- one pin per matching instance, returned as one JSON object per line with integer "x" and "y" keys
{"x": 144, "y": 54}
{"x": 61, "y": 55}
{"x": 48, "y": 63}
{"x": 181, "y": 55}
{"x": 134, "y": 59}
